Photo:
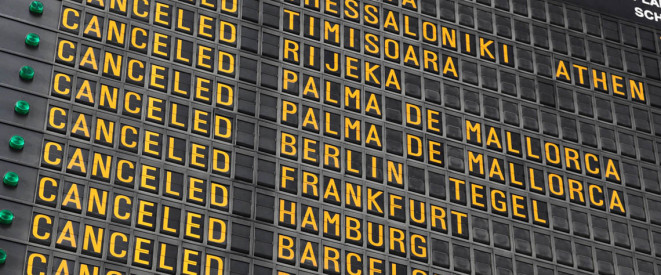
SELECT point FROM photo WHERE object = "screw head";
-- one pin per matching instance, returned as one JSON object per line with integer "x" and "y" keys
{"x": 6, "y": 216}
{"x": 32, "y": 39}
{"x": 26, "y": 73}
{"x": 22, "y": 107}
{"x": 10, "y": 179}
{"x": 36, "y": 7}
{"x": 3, "y": 256}
{"x": 16, "y": 142}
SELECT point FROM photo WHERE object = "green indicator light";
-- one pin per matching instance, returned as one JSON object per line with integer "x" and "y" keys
{"x": 6, "y": 216}
{"x": 36, "y": 7}
{"x": 3, "y": 256}
{"x": 10, "y": 179}
{"x": 32, "y": 39}
{"x": 16, "y": 142}
{"x": 26, "y": 73}
{"x": 22, "y": 107}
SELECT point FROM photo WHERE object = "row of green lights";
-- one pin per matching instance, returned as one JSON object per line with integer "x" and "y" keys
{"x": 22, "y": 108}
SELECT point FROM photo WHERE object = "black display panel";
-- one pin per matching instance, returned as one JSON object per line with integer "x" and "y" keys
{"x": 645, "y": 11}
{"x": 354, "y": 137}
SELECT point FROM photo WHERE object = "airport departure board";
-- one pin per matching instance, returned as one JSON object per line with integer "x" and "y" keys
{"x": 359, "y": 137}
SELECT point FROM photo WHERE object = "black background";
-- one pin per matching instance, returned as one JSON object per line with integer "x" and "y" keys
{"x": 619, "y": 8}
